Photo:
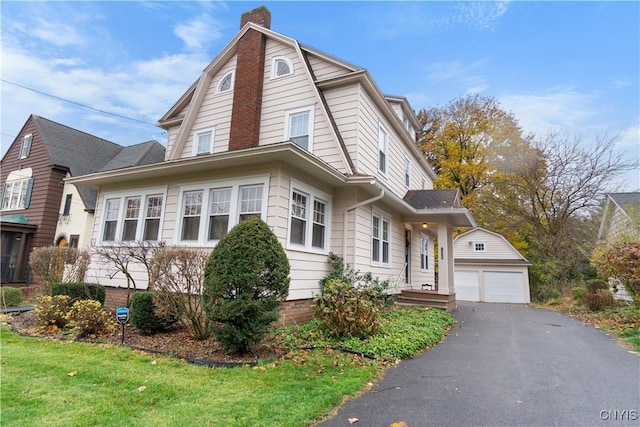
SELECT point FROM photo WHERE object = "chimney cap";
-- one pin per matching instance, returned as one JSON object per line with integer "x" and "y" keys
{"x": 260, "y": 16}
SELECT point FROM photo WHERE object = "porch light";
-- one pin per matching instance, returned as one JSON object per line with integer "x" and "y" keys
{"x": 425, "y": 225}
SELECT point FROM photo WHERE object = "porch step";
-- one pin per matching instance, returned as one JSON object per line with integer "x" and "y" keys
{"x": 426, "y": 298}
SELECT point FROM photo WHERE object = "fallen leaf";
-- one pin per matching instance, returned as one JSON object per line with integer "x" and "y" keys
{"x": 353, "y": 420}
{"x": 73, "y": 374}
{"x": 25, "y": 391}
{"x": 141, "y": 389}
{"x": 154, "y": 362}
{"x": 399, "y": 424}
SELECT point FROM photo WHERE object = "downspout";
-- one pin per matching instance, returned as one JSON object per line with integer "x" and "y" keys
{"x": 344, "y": 226}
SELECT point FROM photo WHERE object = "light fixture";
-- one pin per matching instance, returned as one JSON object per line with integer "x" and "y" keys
{"x": 425, "y": 225}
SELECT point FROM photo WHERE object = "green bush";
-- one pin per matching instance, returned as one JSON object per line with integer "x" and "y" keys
{"x": 578, "y": 294}
{"x": 346, "y": 311}
{"x": 594, "y": 285}
{"x": 87, "y": 317}
{"x": 144, "y": 315}
{"x": 544, "y": 293}
{"x": 52, "y": 310}
{"x": 346, "y": 273}
{"x": 599, "y": 300}
{"x": 246, "y": 279}
{"x": 10, "y": 297}
{"x": 79, "y": 290}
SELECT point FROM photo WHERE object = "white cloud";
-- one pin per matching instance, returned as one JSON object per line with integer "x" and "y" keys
{"x": 198, "y": 33}
{"x": 468, "y": 76}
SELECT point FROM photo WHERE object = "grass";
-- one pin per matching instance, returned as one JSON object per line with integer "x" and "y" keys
{"x": 621, "y": 321}
{"x": 60, "y": 383}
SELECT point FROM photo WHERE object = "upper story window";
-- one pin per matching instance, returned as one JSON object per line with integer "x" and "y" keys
{"x": 25, "y": 146}
{"x": 132, "y": 217}
{"x": 226, "y": 83}
{"x": 308, "y": 219}
{"x": 479, "y": 247}
{"x": 407, "y": 171}
{"x": 67, "y": 205}
{"x": 203, "y": 141}
{"x": 16, "y": 191}
{"x": 299, "y": 127}
{"x": 380, "y": 239}
{"x": 281, "y": 66}
{"x": 383, "y": 147}
{"x": 209, "y": 211}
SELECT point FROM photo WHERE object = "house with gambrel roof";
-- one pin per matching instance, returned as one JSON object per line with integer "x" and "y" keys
{"x": 38, "y": 208}
{"x": 305, "y": 141}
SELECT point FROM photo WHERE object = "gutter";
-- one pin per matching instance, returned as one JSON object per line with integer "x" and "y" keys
{"x": 351, "y": 208}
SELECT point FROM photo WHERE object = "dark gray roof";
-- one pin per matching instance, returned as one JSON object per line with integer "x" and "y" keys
{"x": 626, "y": 200}
{"x": 433, "y": 199}
{"x": 83, "y": 153}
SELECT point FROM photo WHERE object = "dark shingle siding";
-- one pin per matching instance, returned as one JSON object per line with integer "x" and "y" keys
{"x": 433, "y": 199}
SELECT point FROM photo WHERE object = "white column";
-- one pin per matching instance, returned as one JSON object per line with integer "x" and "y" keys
{"x": 445, "y": 259}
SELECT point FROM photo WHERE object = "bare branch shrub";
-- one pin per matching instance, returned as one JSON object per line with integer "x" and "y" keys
{"x": 178, "y": 275}
{"x": 51, "y": 264}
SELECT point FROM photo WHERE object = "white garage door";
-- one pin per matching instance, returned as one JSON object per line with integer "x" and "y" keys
{"x": 467, "y": 285}
{"x": 503, "y": 286}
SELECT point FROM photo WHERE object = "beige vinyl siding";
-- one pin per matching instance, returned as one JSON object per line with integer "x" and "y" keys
{"x": 325, "y": 70}
{"x": 495, "y": 247}
{"x": 419, "y": 277}
{"x": 343, "y": 104}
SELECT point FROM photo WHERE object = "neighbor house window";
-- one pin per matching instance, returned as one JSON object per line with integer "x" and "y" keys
{"x": 67, "y": 205}
{"x": 479, "y": 247}
{"x": 382, "y": 149}
{"x": 16, "y": 191}
{"x": 203, "y": 142}
{"x": 425, "y": 244}
{"x": 407, "y": 171}
{"x": 299, "y": 126}
{"x": 226, "y": 83}
{"x": 25, "y": 146}
{"x": 280, "y": 67}
{"x": 380, "y": 235}
{"x": 308, "y": 216}
{"x": 131, "y": 214}
{"x": 210, "y": 210}
{"x": 112, "y": 211}
{"x": 74, "y": 240}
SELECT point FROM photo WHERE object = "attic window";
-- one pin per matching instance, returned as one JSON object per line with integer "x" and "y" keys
{"x": 226, "y": 83}
{"x": 479, "y": 247}
{"x": 280, "y": 67}
{"x": 25, "y": 146}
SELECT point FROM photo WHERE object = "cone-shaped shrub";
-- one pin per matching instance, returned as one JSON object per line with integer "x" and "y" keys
{"x": 246, "y": 279}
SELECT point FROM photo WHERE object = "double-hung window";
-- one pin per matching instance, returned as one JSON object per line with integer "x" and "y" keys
{"x": 203, "y": 142}
{"x": 424, "y": 252}
{"x": 309, "y": 212}
{"x": 380, "y": 239}
{"x": 209, "y": 210}
{"x": 383, "y": 146}
{"x": 299, "y": 127}
{"x": 132, "y": 216}
{"x": 407, "y": 171}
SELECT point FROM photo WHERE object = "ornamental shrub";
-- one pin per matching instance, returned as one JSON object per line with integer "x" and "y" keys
{"x": 144, "y": 315}
{"x": 599, "y": 300}
{"x": 246, "y": 280}
{"x": 10, "y": 297}
{"x": 87, "y": 317}
{"x": 79, "y": 290}
{"x": 346, "y": 311}
{"x": 52, "y": 310}
{"x": 578, "y": 294}
{"x": 593, "y": 285}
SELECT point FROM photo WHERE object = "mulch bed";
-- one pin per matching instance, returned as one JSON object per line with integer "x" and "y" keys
{"x": 176, "y": 342}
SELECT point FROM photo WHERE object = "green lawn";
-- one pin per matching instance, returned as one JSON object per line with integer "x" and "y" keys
{"x": 61, "y": 383}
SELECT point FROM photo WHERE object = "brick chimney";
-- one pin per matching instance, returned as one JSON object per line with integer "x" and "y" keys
{"x": 249, "y": 78}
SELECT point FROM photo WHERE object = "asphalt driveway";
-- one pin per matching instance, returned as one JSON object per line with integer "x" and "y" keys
{"x": 507, "y": 365}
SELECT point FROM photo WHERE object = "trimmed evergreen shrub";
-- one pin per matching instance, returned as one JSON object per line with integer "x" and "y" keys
{"x": 144, "y": 314}
{"x": 346, "y": 311}
{"x": 79, "y": 290}
{"x": 246, "y": 280}
{"x": 10, "y": 297}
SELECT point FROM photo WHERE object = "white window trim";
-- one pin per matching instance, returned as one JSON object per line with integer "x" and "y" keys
{"x": 477, "y": 245}
{"x": 384, "y": 149}
{"x": 407, "y": 171}
{"x": 383, "y": 218}
{"x": 195, "y": 140}
{"x": 312, "y": 194}
{"x": 274, "y": 68}
{"x": 287, "y": 123}
{"x": 424, "y": 238}
{"x": 231, "y": 73}
{"x": 25, "y": 178}
{"x": 234, "y": 208}
{"x": 123, "y": 196}
{"x": 25, "y": 146}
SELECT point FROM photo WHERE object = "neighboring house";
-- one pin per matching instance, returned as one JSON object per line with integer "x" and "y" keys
{"x": 620, "y": 223}
{"x": 307, "y": 142}
{"x": 36, "y": 201}
{"x": 488, "y": 268}
{"x": 620, "y": 218}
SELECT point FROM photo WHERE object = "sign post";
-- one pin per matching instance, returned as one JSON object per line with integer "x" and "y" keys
{"x": 122, "y": 316}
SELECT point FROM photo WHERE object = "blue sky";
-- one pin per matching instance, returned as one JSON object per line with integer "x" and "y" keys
{"x": 572, "y": 67}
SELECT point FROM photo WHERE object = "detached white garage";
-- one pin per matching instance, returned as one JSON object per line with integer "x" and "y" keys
{"x": 488, "y": 268}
